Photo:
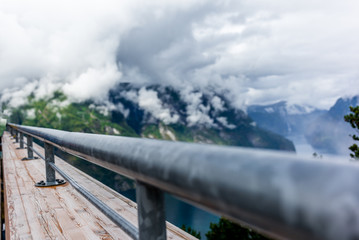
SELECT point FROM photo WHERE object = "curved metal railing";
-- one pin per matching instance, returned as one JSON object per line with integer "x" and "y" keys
{"x": 277, "y": 193}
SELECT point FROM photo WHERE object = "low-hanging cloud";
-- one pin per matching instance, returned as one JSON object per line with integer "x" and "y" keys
{"x": 93, "y": 82}
{"x": 148, "y": 100}
{"x": 257, "y": 51}
{"x": 197, "y": 112}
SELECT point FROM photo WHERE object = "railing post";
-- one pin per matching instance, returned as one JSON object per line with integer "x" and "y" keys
{"x": 151, "y": 212}
{"x": 50, "y": 172}
{"x": 49, "y": 158}
{"x": 21, "y": 140}
{"x": 16, "y": 136}
{"x": 30, "y": 152}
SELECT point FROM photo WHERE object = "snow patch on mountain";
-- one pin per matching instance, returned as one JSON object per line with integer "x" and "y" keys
{"x": 294, "y": 109}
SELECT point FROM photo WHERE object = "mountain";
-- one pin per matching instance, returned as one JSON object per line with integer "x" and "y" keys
{"x": 155, "y": 111}
{"x": 341, "y": 107}
{"x": 329, "y": 132}
{"x": 324, "y": 130}
{"x": 283, "y": 118}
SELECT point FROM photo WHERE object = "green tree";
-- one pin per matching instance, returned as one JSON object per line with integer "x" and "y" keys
{"x": 17, "y": 116}
{"x": 227, "y": 230}
{"x": 353, "y": 119}
{"x": 191, "y": 231}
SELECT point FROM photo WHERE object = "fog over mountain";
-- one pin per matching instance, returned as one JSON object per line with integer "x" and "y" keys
{"x": 312, "y": 130}
{"x": 256, "y": 52}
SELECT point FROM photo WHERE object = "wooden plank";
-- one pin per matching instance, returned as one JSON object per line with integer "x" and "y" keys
{"x": 1, "y": 177}
{"x": 19, "y": 226}
{"x": 60, "y": 212}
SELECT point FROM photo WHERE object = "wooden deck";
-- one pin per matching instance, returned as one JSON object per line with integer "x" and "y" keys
{"x": 59, "y": 212}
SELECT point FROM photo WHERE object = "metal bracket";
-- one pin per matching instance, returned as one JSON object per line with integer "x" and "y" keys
{"x": 26, "y": 158}
{"x": 57, "y": 182}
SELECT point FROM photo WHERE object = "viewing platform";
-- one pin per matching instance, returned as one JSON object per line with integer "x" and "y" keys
{"x": 60, "y": 212}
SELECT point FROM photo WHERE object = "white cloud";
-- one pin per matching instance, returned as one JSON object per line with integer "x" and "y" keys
{"x": 149, "y": 101}
{"x": 74, "y": 43}
{"x": 224, "y": 122}
{"x": 17, "y": 97}
{"x": 94, "y": 82}
{"x": 217, "y": 104}
{"x": 30, "y": 113}
{"x": 41, "y": 88}
{"x": 122, "y": 109}
{"x": 261, "y": 51}
{"x": 130, "y": 95}
{"x": 197, "y": 113}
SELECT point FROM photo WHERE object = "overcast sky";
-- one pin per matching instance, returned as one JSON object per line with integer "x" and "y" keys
{"x": 302, "y": 51}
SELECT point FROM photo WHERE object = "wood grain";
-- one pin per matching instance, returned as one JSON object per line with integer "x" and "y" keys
{"x": 60, "y": 212}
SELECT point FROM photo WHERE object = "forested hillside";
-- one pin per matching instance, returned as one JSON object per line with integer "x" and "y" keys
{"x": 129, "y": 118}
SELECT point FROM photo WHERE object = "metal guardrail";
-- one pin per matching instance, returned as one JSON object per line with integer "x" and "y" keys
{"x": 279, "y": 194}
